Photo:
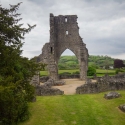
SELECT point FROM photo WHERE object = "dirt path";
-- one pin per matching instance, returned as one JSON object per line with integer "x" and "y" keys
{"x": 70, "y": 86}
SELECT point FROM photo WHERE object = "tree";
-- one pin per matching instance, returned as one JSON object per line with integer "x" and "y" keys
{"x": 15, "y": 70}
{"x": 118, "y": 63}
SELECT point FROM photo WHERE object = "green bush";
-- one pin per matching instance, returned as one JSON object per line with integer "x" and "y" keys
{"x": 13, "y": 105}
{"x": 91, "y": 71}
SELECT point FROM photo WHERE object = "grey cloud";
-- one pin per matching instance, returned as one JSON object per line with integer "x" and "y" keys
{"x": 44, "y": 3}
{"x": 107, "y": 46}
{"x": 101, "y": 23}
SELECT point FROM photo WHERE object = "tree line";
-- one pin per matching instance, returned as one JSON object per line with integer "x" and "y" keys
{"x": 106, "y": 62}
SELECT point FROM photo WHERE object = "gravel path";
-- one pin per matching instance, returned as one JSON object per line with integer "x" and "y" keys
{"x": 70, "y": 86}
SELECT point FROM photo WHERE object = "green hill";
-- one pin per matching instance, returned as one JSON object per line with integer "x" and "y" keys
{"x": 71, "y": 62}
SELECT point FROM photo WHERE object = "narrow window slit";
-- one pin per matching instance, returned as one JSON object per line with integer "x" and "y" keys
{"x": 51, "y": 50}
{"x": 65, "y": 19}
{"x": 67, "y": 33}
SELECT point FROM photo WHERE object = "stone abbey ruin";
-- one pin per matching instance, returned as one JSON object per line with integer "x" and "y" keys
{"x": 64, "y": 34}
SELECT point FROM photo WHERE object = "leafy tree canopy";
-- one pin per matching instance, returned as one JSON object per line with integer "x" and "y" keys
{"x": 118, "y": 63}
{"x": 15, "y": 70}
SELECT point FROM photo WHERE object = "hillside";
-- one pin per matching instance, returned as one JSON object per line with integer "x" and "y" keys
{"x": 71, "y": 62}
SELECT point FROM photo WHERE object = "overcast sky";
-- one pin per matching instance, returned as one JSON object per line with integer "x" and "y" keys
{"x": 101, "y": 22}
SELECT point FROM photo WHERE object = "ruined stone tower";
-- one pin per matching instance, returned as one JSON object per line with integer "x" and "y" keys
{"x": 64, "y": 34}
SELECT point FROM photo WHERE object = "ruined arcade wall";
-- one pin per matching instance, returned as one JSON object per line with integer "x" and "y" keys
{"x": 64, "y": 34}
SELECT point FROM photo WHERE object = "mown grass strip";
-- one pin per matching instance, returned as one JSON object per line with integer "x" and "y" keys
{"x": 99, "y": 72}
{"x": 87, "y": 109}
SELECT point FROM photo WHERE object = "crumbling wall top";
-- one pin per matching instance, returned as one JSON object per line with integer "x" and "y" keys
{"x": 64, "y": 18}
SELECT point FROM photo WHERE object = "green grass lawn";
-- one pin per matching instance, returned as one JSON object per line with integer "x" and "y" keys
{"x": 102, "y": 72}
{"x": 86, "y": 109}
{"x": 44, "y": 73}
{"x": 99, "y": 72}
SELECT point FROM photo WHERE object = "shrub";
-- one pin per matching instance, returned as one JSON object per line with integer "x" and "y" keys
{"x": 13, "y": 105}
{"x": 91, "y": 71}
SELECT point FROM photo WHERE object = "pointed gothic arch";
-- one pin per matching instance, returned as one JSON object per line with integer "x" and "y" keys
{"x": 75, "y": 63}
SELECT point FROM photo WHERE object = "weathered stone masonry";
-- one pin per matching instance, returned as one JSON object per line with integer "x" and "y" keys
{"x": 64, "y": 34}
{"x": 103, "y": 84}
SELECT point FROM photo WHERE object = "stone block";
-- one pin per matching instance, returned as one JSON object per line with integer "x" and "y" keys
{"x": 122, "y": 107}
{"x": 112, "y": 95}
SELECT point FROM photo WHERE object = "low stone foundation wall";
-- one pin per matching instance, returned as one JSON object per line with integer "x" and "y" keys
{"x": 46, "y": 78}
{"x": 51, "y": 82}
{"x": 103, "y": 84}
{"x": 44, "y": 90}
{"x": 69, "y": 76}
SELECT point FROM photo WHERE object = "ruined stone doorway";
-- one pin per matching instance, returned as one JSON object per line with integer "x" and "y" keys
{"x": 64, "y": 34}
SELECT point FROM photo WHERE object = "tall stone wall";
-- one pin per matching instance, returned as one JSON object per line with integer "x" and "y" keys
{"x": 64, "y": 34}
